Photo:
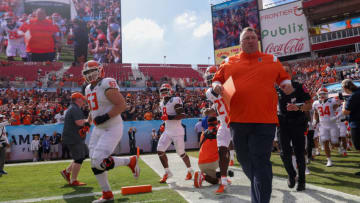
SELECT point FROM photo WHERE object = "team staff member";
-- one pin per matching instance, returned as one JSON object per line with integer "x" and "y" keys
{"x": 293, "y": 123}
{"x": 253, "y": 109}
{"x": 74, "y": 134}
{"x": 351, "y": 107}
{"x": 40, "y": 37}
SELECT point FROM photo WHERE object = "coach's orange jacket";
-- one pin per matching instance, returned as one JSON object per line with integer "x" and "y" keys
{"x": 254, "y": 75}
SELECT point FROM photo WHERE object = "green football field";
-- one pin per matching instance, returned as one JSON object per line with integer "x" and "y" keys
{"x": 44, "y": 180}
{"x": 341, "y": 176}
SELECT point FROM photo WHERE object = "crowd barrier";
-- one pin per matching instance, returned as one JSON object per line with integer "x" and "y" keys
{"x": 22, "y": 135}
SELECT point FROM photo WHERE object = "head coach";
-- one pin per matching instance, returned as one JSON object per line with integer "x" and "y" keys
{"x": 253, "y": 109}
{"x": 74, "y": 134}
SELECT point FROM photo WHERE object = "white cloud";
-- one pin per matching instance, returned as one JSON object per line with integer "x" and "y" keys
{"x": 185, "y": 20}
{"x": 143, "y": 40}
{"x": 140, "y": 30}
{"x": 202, "y": 30}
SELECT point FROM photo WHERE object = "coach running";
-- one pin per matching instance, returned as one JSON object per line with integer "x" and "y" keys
{"x": 253, "y": 109}
{"x": 74, "y": 134}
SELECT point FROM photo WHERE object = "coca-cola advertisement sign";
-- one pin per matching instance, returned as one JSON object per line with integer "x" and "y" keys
{"x": 284, "y": 30}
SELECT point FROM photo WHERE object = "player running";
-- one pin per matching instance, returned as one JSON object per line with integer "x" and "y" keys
{"x": 325, "y": 115}
{"x": 106, "y": 104}
{"x": 172, "y": 113}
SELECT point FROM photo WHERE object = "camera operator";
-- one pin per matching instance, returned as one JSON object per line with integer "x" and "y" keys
{"x": 293, "y": 123}
{"x": 4, "y": 143}
{"x": 351, "y": 107}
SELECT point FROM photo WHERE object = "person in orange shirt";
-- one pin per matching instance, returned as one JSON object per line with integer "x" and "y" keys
{"x": 148, "y": 116}
{"x": 40, "y": 37}
{"x": 253, "y": 109}
{"x": 27, "y": 119}
{"x": 208, "y": 155}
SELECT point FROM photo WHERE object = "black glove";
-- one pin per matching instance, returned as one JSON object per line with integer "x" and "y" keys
{"x": 101, "y": 119}
{"x": 87, "y": 124}
{"x": 3, "y": 144}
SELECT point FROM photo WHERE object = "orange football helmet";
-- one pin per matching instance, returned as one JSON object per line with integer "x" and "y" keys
{"x": 93, "y": 71}
{"x": 323, "y": 93}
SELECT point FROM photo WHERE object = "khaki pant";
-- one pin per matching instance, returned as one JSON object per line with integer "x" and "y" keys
{"x": 209, "y": 168}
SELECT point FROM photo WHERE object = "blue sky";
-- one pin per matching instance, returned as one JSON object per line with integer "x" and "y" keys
{"x": 180, "y": 30}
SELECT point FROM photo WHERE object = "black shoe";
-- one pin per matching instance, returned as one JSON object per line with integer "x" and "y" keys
{"x": 3, "y": 172}
{"x": 291, "y": 182}
{"x": 300, "y": 187}
{"x": 357, "y": 173}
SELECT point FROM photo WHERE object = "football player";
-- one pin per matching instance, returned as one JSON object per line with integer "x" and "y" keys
{"x": 224, "y": 141}
{"x": 106, "y": 104}
{"x": 324, "y": 109}
{"x": 172, "y": 113}
{"x": 16, "y": 41}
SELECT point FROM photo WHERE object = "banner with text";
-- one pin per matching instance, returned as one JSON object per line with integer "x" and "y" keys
{"x": 22, "y": 136}
{"x": 284, "y": 30}
{"x": 228, "y": 20}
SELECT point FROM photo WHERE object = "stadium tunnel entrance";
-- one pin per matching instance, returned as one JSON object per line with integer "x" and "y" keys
{"x": 59, "y": 6}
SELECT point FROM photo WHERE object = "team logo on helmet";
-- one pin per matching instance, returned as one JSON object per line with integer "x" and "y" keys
{"x": 92, "y": 71}
{"x": 165, "y": 90}
{"x": 209, "y": 74}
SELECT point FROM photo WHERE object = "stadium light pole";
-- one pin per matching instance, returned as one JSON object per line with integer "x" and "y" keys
{"x": 164, "y": 59}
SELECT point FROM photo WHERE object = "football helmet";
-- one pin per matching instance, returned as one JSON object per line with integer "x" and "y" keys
{"x": 323, "y": 93}
{"x": 165, "y": 90}
{"x": 209, "y": 74}
{"x": 10, "y": 17}
{"x": 92, "y": 71}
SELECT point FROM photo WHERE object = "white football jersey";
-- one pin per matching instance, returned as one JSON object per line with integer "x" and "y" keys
{"x": 325, "y": 110}
{"x": 219, "y": 105}
{"x": 169, "y": 109}
{"x": 12, "y": 34}
{"x": 99, "y": 104}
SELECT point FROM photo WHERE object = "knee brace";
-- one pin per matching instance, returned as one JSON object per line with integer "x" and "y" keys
{"x": 105, "y": 164}
{"x": 97, "y": 171}
{"x": 79, "y": 161}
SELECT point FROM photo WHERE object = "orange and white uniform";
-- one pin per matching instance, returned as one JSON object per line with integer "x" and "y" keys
{"x": 223, "y": 134}
{"x": 328, "y": 129}
{"x": 174, "y": 132}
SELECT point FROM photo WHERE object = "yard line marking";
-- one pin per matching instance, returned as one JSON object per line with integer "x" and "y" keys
{"x": 80, "y": 195}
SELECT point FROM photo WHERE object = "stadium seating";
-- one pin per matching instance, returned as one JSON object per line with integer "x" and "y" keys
{"x": 158, "y": 71}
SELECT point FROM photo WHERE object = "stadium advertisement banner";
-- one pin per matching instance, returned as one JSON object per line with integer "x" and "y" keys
{"x": 284, "y": 30}
{"x": 21, "y": 136}
{"x": 228, "y": 20}
{"x": 332, "y": 27}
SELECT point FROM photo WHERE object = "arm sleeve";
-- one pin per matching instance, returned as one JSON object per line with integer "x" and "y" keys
{"x": 283, "y": 76}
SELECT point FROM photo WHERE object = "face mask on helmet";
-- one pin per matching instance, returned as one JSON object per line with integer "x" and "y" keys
{"x": 323, "y": 96}
{"x": 209, "y": 78}
{"x": 165, "y": 92}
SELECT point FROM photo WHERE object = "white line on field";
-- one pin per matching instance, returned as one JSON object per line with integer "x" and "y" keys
{"x": 80, "y": 195}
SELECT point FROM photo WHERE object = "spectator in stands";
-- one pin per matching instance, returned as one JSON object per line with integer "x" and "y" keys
{"x": 54, "y": 145}
{"x": 40, "y": 37}
{"x": 81, "y": 41}
{"x": 148, "y": 116}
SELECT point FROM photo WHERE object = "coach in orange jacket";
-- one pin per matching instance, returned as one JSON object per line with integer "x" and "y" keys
{"x": 253, "y": 109}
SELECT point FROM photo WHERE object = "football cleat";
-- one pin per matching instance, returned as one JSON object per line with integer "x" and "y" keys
{"x": 198, "y": 179}
{"x": 77, "y": 183}
{"x": 66, "y": 175}
{"x": 134, "y": 166}
{"x": 106, "y": 196}
{"x": 329, "y": 163}
{"x": 231, "y": 163}
{"x": 221, "y": 189}
{"x": 188, "y": 175}
{"x": 165, "y": 177}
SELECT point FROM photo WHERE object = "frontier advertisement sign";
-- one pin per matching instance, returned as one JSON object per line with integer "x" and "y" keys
{"x": 284, "y": 30}
{"x": 229, "y": 19}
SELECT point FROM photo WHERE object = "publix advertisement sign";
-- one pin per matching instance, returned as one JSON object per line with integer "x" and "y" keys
{"x": 284, "y": 30}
